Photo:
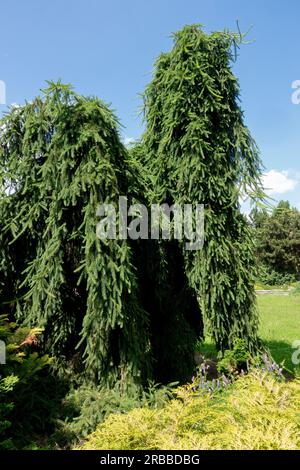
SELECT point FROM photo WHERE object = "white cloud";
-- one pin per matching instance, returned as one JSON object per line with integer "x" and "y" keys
{"x": 128, "y": 140}
{"x": 278, "y": 182}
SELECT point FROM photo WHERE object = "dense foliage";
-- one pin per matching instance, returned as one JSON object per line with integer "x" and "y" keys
{"x": 24, "y": 405}
{"x": 119, "y": 313}
{"x": 257, "y": 412}
{"x": 128, "y": 306}
{"x": 61, "y": 157}
{"x": 198, "y": 150}
{"x": 87, "y": 406}
{"x": 277, "y": 236}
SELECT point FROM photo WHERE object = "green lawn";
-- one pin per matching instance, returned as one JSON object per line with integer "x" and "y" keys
{"x": 280, "y": 325}
{"x": 279, "y": 328}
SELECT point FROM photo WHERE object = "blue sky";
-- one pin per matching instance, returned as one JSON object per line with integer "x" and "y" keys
{"x": 107, "y": 48}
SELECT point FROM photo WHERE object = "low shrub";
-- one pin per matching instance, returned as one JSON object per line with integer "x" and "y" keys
{"x": 87, "y": 406}
{"x": 236, "y": 359}
{"x": 24, "y": 407}
{"x": 256, "y": 412}
{"x": 269, "y": 277}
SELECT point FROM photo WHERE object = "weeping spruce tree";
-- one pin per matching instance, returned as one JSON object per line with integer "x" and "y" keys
{"x": 198, "y": 150}
{"x": 60, "y": 158}
{"x": 115, "y": 310}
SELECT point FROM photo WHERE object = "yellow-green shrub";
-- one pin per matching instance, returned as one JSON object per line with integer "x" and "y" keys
{"x": 256, "y": 412}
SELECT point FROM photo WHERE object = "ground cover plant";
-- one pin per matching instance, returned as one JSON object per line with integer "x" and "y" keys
{"x": 255, "y": 412}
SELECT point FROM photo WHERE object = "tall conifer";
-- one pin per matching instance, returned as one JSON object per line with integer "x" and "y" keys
{"x": 60, "y": 158}
{"x": 199, "y": 150}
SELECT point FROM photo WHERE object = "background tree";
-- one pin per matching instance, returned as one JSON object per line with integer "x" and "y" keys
{"x": 278, "y": 240}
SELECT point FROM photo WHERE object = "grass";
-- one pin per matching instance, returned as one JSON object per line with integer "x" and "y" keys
{"x": 279, "y": 328}
{"x": 280, "y": 325}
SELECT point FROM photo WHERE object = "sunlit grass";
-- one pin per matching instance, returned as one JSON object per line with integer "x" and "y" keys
{"x": 279, "y": 328}
{"x": 280, "y": 325}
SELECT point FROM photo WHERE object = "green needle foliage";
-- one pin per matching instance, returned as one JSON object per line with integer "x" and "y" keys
{"x": 119, "y": 310}
{"x": 198, "y": 150}
{"x": 175, "y": 318}
{"x": 60, "y": 158}
{"x": 124, "y": 311}
{"x": 277, "y": 237}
